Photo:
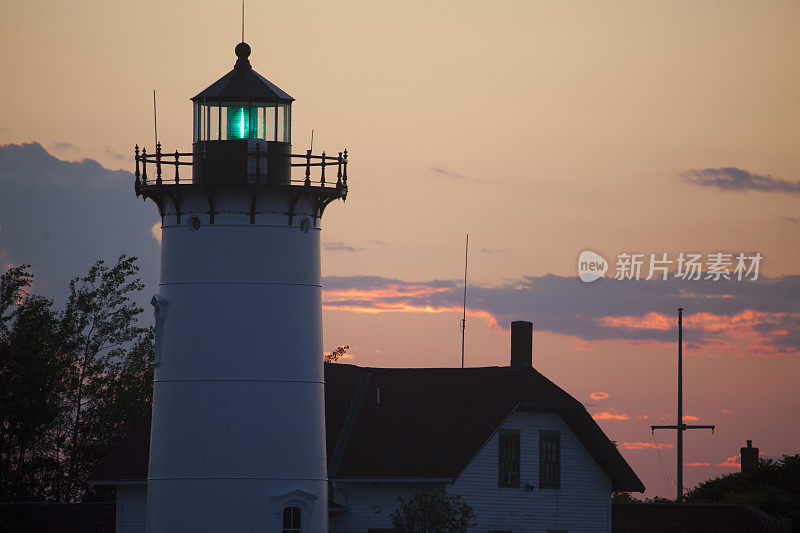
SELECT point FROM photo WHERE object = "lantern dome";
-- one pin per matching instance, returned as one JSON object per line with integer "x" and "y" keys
{"x": 243, "y": 84}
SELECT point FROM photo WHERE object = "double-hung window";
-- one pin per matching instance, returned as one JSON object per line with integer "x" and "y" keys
{"x": 509, "y": 459}
{"x": 549, "y": 459}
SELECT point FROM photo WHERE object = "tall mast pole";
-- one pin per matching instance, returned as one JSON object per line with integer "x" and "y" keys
{"x": 680, "y": 427}
{"x": 680, "y": 404}
{"x": 464, "y": 316}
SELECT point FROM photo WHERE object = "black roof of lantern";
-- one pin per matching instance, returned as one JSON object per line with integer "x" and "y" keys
{"x": 243, "y": 84}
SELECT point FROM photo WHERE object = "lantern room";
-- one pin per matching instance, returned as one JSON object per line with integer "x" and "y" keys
{"x": 239, "y": 114}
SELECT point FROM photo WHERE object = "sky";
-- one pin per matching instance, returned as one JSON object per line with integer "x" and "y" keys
{"x": 542, "y": 129}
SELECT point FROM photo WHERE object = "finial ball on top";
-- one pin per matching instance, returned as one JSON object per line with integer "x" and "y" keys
{"x": 242, "y": 50}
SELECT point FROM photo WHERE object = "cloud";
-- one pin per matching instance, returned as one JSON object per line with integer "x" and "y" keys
{"x": 793, "y": 220}
{"x": 599, "y": 396}
{"x": 113, "y": 154}
{"x": 645, "y": 445}
{"x": 342, "y": 247}
{"x": 61, "y": 216}
{"x": 732, "y": 462}
{"x": 690, "y": 418}
{"x": 607, "y": 415}
{"x": 491, "y": 251}
{"x": 155, "y": 231}
{"x": 739, "y": 317}
{"x": 697, "y": 464}
{"x": 736, "y": 179}
{"x": 64, "y": 147}
{"x": 444, "y": 173}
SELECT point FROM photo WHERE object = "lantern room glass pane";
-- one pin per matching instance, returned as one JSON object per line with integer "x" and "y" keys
{"x": 242, "y": 120}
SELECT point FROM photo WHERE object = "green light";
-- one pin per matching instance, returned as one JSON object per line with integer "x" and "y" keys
{"x": 241, "y": 124}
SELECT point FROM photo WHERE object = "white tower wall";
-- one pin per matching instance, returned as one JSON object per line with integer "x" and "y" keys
{"x": 238, "y": 427}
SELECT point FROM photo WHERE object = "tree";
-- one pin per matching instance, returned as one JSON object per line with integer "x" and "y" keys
{"x": 32, "y": 371}
{"x": 773, "y": 486}
{"x": 71, "y": 382}
{"x": 98, "y": 323}
{"x": 333, "y": 356}
{"x": 432, "y": 512}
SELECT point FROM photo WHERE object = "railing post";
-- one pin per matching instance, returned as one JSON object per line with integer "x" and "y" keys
{"x": 308, "y": 168}
{"x": 322, "y": 179}
{"x": 177, "y": 178}
{"x": 144, "y": 166}
{"x": 136, "y": 157}
{"x": 158, "y": 163}
{"x": 344, "y": 173}
{"x": 137, "y": 183}
{"x": 339, "y": 172}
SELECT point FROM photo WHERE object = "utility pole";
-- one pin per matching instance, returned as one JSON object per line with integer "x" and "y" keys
{"x": 680, "y": 427}
{"x": 464, "y": 316}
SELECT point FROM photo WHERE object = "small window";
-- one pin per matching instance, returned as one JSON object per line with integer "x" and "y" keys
{"x": 509, "y": 459}
{"x": 291, "y": 520}
{"x": 549, "y": 459}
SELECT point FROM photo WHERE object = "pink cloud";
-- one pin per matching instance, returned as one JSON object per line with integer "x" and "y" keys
{"x": 732, "y": 462}
{"x": 607, "y": 415}
{"x": 645, "y": 445}
{"x": 599, "y": 396}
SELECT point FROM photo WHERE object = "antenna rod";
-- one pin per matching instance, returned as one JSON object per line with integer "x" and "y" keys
{"x": 242, "y": 20}
{"x": 312, "y": 140}
{"x": 155, "y": 116}
{"x": 464, "y": 316}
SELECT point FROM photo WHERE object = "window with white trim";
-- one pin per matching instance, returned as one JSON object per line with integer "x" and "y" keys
{"x": 549, "y": 459}
{"x": 292, "y": 520}
{"x": 508, "y": 461}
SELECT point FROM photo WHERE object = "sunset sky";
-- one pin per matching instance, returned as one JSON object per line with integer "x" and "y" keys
{"x": 542, "y": 129}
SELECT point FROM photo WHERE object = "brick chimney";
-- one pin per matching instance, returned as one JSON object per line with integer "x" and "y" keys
{"x": 749, "y": 457}
{"x": 521, "y": 344}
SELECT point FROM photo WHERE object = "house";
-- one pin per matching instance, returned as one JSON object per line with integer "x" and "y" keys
{"x": 524, "y": 454}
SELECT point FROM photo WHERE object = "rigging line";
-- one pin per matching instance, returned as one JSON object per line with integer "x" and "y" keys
{"x": 661, "y": 462}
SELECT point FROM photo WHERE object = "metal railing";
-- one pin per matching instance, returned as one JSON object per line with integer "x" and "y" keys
{"x": 161, "y": 160}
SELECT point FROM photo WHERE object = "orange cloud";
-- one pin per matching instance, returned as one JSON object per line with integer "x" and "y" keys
{"x": 645, "y": 445}
{"x": 607, "y": 415}
{"x": 395, "y": 298}
{"x": 697, "y": 464}
{"x": 599, "y": 395}
{"x": 732, "y": 462}
{"x": 691, "y": 418}
{"x": 749, "y": 331}
{"x": 155, "y": 231}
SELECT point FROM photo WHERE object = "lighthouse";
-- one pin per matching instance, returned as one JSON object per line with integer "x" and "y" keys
{"x": 238, "y": 426}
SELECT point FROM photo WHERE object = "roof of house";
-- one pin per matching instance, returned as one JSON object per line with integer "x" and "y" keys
{"x": 430, "y": 423}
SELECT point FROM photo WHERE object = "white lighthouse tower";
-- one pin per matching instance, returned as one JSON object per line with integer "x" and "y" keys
{"x": 238, "y": 431}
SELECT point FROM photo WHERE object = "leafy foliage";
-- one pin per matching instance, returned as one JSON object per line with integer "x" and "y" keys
{"x": 773, "y": 486}
{"x": 333, "y": 356}
{"x": 432, "y": 512}
{"x": 71, "y": 382}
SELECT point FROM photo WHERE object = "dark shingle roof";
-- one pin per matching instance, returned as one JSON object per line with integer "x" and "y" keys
{"x": 243, "y": 84}
{"x": 429, "y": 424}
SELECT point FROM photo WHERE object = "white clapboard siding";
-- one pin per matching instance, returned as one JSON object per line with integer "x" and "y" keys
{"x": 370, "y": 504}
{"x": 131, "y": 508}
{"x": 583, "y": 504}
